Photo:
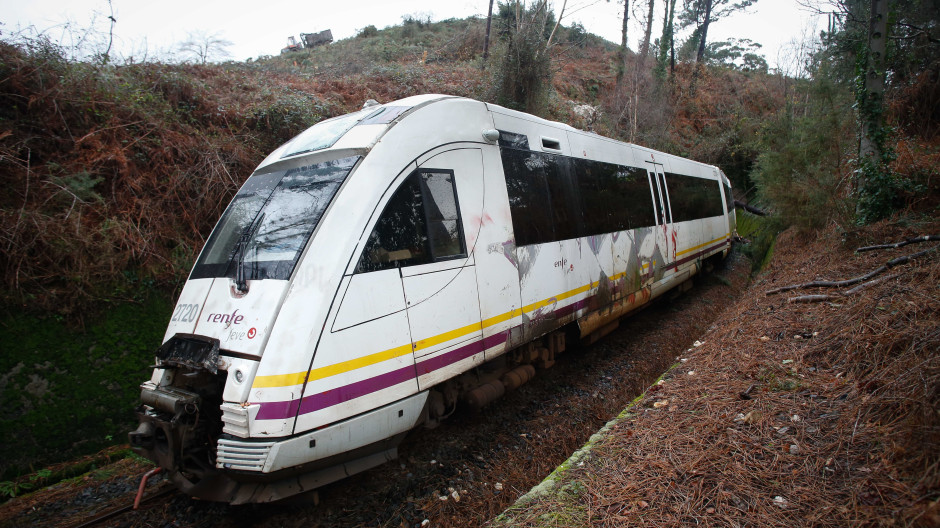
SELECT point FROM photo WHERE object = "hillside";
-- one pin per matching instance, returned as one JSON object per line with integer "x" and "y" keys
{"x": 117, "y": 173}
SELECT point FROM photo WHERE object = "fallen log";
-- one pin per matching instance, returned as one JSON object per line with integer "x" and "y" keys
{"x": 849, "y": 282}
{"x": 750, "y": 208}
{"x": 914, "y": 240}
{"x": 828, "y": 284}
{"x": 853, "y": 291}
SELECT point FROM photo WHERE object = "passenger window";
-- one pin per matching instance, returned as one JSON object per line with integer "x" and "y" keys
{"x": 529, "y": 200}
{"x": 420, "y": 224}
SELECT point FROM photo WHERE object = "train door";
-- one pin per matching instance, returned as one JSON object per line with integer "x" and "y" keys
{"x": 441, "y": 295}
{"x": 665, "y": 252}
{"x": 409, "y": 307}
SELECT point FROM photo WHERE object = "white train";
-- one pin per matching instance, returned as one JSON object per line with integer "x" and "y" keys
{"x": 386, "y": 265}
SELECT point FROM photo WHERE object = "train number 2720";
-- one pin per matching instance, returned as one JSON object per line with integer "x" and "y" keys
{"x": 185, "y": 313}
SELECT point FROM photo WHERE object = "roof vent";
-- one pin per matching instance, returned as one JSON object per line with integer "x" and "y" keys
{"x": 370, "y": 103}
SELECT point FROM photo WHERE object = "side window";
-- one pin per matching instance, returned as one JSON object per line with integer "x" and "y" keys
{"x": 566, "y": 207}
{"x": 443, "y": 215}
{"x": 420, "y": 224}
{"x": 528, "y": 196}
{"x": 632, "y": 189}
{"x": 694, "y": 197}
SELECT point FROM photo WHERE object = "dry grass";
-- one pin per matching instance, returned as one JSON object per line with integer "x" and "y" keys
{"x": 840, "y": 426}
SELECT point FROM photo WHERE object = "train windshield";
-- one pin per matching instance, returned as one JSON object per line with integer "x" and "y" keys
{"x": 264, "y": 230}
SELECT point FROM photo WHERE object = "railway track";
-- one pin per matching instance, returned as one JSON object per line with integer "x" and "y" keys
{"x": 146, "y": 503}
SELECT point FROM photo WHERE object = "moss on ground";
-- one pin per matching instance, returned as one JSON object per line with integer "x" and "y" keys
{"x": 70, "y": 391}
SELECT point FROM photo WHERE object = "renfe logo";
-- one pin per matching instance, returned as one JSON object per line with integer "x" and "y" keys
{"x": 228, "y": 319}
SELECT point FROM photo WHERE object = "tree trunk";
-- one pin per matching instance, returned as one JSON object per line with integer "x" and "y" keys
{"x": 874, "y": 79}
{"x": 486, "y": 39}
{"x": 701, "y": 43}
{"x": 666, "y": 41}
{"x": 645, "y": 46}
{"x": 871, "y": 139}
{"x": 622, "y": 67}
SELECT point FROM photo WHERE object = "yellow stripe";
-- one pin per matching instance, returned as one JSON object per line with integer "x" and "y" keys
{"x": 447, "y": 336}
{"x": 285, "y": 380}
{"x": 684, "y": 251}
{"x": 496, "y": 319}
{"x": 297, "y": 378}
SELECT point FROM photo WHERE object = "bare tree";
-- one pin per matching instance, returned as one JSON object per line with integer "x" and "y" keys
{"x": 645, "y": 45}
{"x": 203, "y": 47}
{"x": 623, "y": 42}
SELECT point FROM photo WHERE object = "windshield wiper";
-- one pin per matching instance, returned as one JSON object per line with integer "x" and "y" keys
{"x": 241, "y": 283}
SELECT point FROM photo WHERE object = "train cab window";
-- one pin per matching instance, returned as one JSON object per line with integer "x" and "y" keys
{"x": 263, "y": 232}
{"x": 420, "y": 224}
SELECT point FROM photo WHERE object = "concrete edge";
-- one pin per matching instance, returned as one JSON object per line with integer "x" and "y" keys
{"x": 553, "y": 482}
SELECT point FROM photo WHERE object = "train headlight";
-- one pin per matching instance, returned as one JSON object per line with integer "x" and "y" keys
{"x": 239, "y": 376}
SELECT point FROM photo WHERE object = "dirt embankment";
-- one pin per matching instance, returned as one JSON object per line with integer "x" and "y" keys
{"x": 790, "y": 413}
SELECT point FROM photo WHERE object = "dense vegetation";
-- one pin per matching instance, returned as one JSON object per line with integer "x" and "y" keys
{"x": 115, "y": 174}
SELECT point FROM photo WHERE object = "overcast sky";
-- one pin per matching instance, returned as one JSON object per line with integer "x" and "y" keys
{"x": 258, "y": 28}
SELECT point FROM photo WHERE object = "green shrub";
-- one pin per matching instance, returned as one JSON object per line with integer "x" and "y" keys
{"x": 368, "y": 32}
{"x": 523, "y": 75}
{"x": 802, "y": 171}
{"x": 761, "y": 232}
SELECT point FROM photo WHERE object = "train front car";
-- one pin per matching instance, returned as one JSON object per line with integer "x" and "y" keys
{"x": 385, "y": 265}
{"x": 236, "y": 368}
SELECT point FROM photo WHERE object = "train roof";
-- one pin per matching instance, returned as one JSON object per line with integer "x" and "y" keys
{"x": 357, "y": 132}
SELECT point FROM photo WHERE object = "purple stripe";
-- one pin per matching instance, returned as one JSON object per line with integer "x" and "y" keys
{"x": 278, "y": 410}
{"x": 345, "y": 393}
{"x": 573, "y": 307}
{"x": 458, "y": 354}
{"x": 495, "y": 339}
{"x": 696, "y": 255}
{"x": 315, "y": 402}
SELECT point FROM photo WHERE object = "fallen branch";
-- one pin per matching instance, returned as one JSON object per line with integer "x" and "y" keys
{"x": 750, "y": 208}
{"x": 849, "y": 282}
{"x": 915, "y": 240}
{"x": 828, "y": 284}
{"x": 853, "y": 291}
{"x": 810, "y": 298}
